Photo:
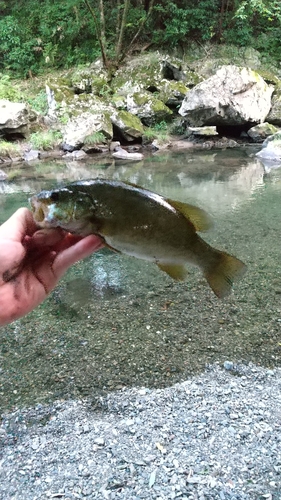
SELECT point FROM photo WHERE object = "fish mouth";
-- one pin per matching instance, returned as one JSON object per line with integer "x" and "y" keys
{"x": 40, "y": 212}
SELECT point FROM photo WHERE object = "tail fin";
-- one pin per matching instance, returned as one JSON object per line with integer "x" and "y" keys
{"x": 221, "y": 277}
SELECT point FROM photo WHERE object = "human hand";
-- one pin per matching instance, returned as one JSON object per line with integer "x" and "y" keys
{"x": 32, "y": 261}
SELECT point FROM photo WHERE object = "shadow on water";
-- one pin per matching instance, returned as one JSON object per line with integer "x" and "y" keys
{"x": 115, "y": 321}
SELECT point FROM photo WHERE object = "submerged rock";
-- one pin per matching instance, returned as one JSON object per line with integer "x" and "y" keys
{"x": 271, "y": 148}
{"x": 3, "y": 175}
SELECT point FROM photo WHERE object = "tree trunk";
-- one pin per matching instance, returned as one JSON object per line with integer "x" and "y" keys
{"x": 122, "y": 30}
{"x": 100, "y": 33}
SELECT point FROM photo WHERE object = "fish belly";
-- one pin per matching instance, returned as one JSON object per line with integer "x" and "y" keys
{"x": 161, "y": 252}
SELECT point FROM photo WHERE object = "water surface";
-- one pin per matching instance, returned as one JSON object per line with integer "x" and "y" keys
{"x": 116, "y": 321}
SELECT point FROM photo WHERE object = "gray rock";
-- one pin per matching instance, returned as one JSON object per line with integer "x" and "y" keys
{"x": 124, "y": 155}
{"x": 228, "y": 365}
{"x": 201, "y": 131}
{"x": 233, "y": 96}
{"x": 14, "y": 117}
{"x": 271, "y": 148}
{"x": 147, "y": 107}
{"x": 260, "y": 132}
{"x": 83, "y": 127}
{"x": 31, "y": 155}
{"x": 76, "y": 155}
{"x": 274, "y": 116}
{"x": 128, "y": 125}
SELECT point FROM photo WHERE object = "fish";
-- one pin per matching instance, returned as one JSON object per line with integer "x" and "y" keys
{"x": 135, "y": 221}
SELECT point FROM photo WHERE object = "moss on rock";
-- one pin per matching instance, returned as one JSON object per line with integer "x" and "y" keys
{"x": 148, "y": 108}
{"x": 129, "y": 125}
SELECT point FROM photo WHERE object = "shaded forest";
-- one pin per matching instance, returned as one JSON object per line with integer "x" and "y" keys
{"x": 36, "y": 35}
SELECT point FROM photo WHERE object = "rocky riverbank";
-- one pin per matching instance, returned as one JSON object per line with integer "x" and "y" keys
{"x": 151, "y": 101}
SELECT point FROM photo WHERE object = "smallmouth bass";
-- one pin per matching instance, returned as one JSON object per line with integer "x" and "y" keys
{"x": 138, "y": 222}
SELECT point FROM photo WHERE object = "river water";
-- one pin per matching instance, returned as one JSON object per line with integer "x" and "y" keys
{"x": 115, "y": 321}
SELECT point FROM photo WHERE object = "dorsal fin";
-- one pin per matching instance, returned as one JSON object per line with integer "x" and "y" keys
{"x": 197, "y": 216}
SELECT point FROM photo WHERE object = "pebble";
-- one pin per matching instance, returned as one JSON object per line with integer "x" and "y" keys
{"x": 99, "y": 441}
{"x": 215, "y": 436}
{"x": 228, "y": 365}
{"x": 3, "y": 175}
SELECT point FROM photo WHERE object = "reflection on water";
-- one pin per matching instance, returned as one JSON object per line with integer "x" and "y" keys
{"x": 216, "y": 181}
{"x": 116, "y": 320}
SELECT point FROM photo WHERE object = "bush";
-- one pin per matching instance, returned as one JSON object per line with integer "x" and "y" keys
{"x": 54, "y": 34}
{"x": 9, "y": 149}
{"x": 45, "y": 140}
{"x": 62, "y": 34}
{"x": 95, "y": 138}
{"x": 39, "y": 103}
{"x": 7, "y": 90}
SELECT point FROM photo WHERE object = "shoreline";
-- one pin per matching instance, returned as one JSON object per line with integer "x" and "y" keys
{"x": 214, "y": 436}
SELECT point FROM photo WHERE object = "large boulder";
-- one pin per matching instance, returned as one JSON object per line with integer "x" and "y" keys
{"x": 165, "y": 78}
{"x": 274, "y": 116}
{"x": 15, "y": 117}
{"x": 234, "y": 96}
{"x": 128, "y": 125}
{"x": 172, "y": 93}
{"x": 148, "y": 108}
{"x": 147, "y": 72}
{"x": 64, "y": 103}
{"x": 83, "y": 129}
{"x": 88, "y": 79}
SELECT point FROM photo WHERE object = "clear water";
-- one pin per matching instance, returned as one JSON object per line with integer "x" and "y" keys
{"x": 116, "y": 321}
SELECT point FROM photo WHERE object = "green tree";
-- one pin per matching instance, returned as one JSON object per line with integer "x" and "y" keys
{"x": 56, "y": 34}
{"x": 115, "y": 43}
{"x": 257, "y": 23}
{"x": 37, "y": 34}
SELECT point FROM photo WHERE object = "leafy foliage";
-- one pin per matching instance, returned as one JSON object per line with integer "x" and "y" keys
{"x": 95, "y": 138}
{"x": 159, "y": 132}
{"x": 45, "y": 140}
{"x": 8, "y": 90}
{"x": 177, "y": 22}
{"x": 56, "y": 34}
{"x": 39, "y": 103}
{"x": 9, "y": 149}
{"x": 40, "y": 34}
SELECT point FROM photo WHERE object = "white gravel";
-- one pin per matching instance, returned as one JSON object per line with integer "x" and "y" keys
{"x": 215, "y": 436}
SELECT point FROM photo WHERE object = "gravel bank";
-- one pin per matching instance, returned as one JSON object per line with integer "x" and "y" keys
{"x": 215, "y": 436}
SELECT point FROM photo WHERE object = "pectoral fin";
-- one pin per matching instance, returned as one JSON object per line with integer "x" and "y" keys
{"x": 197, "y": 216}
{"x": 177, "y": 272}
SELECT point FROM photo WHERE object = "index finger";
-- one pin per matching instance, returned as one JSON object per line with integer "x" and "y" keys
{"x": 20, "y": 224}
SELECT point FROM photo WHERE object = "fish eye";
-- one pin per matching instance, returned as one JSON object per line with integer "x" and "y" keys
{"x": 54, "y": 196}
